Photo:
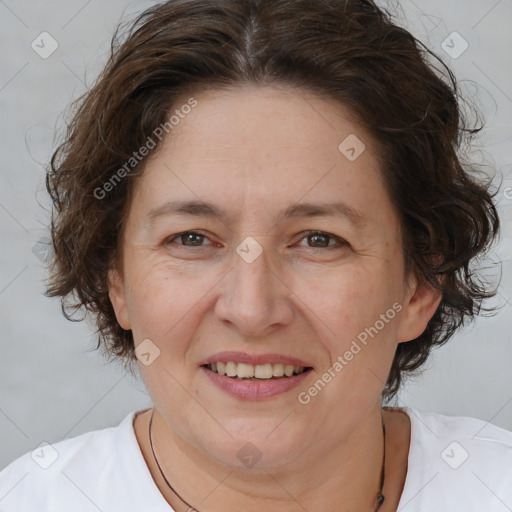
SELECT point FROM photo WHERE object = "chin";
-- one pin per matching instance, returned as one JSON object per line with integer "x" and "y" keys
{"x": 257, "y": 444}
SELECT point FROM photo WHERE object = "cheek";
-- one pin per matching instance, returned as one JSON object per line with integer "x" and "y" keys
{"x": 348, "y": 299}
{"x": 163, "y": 296}
{"x": 151, "y": 296}
{"x": 353, "y": 314}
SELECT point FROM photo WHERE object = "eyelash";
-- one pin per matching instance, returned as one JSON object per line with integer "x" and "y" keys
{"x": 340, "y": 241}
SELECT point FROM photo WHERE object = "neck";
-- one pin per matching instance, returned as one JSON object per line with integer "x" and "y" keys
{"x": 312, "y": 482}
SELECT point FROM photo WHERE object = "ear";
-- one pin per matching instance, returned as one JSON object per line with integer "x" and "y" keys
{"x": 419, "y": 307}
{"x": 116, "y": 292}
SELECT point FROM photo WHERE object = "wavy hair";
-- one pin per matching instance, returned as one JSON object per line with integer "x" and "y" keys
{"x": 350, "y": 51}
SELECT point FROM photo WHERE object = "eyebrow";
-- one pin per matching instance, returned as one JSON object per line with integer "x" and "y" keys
{"x": 199, "y": 208}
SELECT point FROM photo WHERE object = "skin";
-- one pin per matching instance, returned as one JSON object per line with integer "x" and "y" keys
{"x": 254, "y": 151}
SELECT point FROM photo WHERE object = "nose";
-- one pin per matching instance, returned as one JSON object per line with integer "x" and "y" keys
{"x": 254, "y": 297}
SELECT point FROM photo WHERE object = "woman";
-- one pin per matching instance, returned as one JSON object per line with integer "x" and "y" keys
{"x": 262, "y": 206}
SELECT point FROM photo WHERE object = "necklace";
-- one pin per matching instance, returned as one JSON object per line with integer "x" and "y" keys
{"x": 378, "y": 502}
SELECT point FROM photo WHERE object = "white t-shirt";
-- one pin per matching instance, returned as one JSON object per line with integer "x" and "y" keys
{"x": 456, "y": 464}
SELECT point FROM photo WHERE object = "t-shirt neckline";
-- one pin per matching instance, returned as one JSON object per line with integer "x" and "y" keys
{"x": 159, "y": 501}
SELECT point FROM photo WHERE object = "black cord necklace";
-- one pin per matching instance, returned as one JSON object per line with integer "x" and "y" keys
{"x": 380, "y": 496}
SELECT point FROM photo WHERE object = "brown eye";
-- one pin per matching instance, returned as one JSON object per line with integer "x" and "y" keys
{"x": 320, "y": 240}
{"x": 188, "y": 239}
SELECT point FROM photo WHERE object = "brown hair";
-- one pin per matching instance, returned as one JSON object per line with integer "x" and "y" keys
{"x": 347, "y": 50}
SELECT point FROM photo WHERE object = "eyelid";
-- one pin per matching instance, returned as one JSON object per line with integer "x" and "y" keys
{"x": 340, "y": 242}
{"x": 172, "y": 238}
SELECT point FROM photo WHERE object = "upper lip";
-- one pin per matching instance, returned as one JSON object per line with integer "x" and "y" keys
{"x": 255, "y": 359}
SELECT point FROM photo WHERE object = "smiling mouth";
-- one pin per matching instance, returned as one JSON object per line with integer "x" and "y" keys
{"x": 259, "y": 372}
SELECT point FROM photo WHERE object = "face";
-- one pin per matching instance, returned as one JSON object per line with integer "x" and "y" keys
{"x": 253, "y": 232}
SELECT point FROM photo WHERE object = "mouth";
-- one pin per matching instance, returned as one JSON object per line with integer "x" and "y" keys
{"x": 255, "y": 377}
{"x": 255, "y": 373}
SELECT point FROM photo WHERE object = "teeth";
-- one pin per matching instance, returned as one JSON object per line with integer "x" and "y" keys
{"x": 221, "y": 368}
{"x": 231, "y": 369}
{"x": 278, "y": 370}
{"x": 259, "y": 371}
{"x": 262, "y": 371}
{"x": 246, "y": 370}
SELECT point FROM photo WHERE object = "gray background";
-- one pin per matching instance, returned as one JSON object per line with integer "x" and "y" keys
{"x": 52, "y": 384}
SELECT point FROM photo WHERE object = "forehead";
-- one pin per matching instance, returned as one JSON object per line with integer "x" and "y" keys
{"x": 263, "y": 147}
{"x": 260, "y": 119}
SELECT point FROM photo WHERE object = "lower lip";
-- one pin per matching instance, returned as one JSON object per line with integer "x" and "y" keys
{"x": 253, "y": 390}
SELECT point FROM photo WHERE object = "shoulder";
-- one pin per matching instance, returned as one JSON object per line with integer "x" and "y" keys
{"x": 62, "y": 474}
{"x": 477, "y": 429}
{"x": 460, "y": 461}
{"x": 463, "y": 437}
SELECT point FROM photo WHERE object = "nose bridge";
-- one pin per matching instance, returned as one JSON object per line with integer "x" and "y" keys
{"x": 254, "y": 298}
{"x": 252, "y": 272}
